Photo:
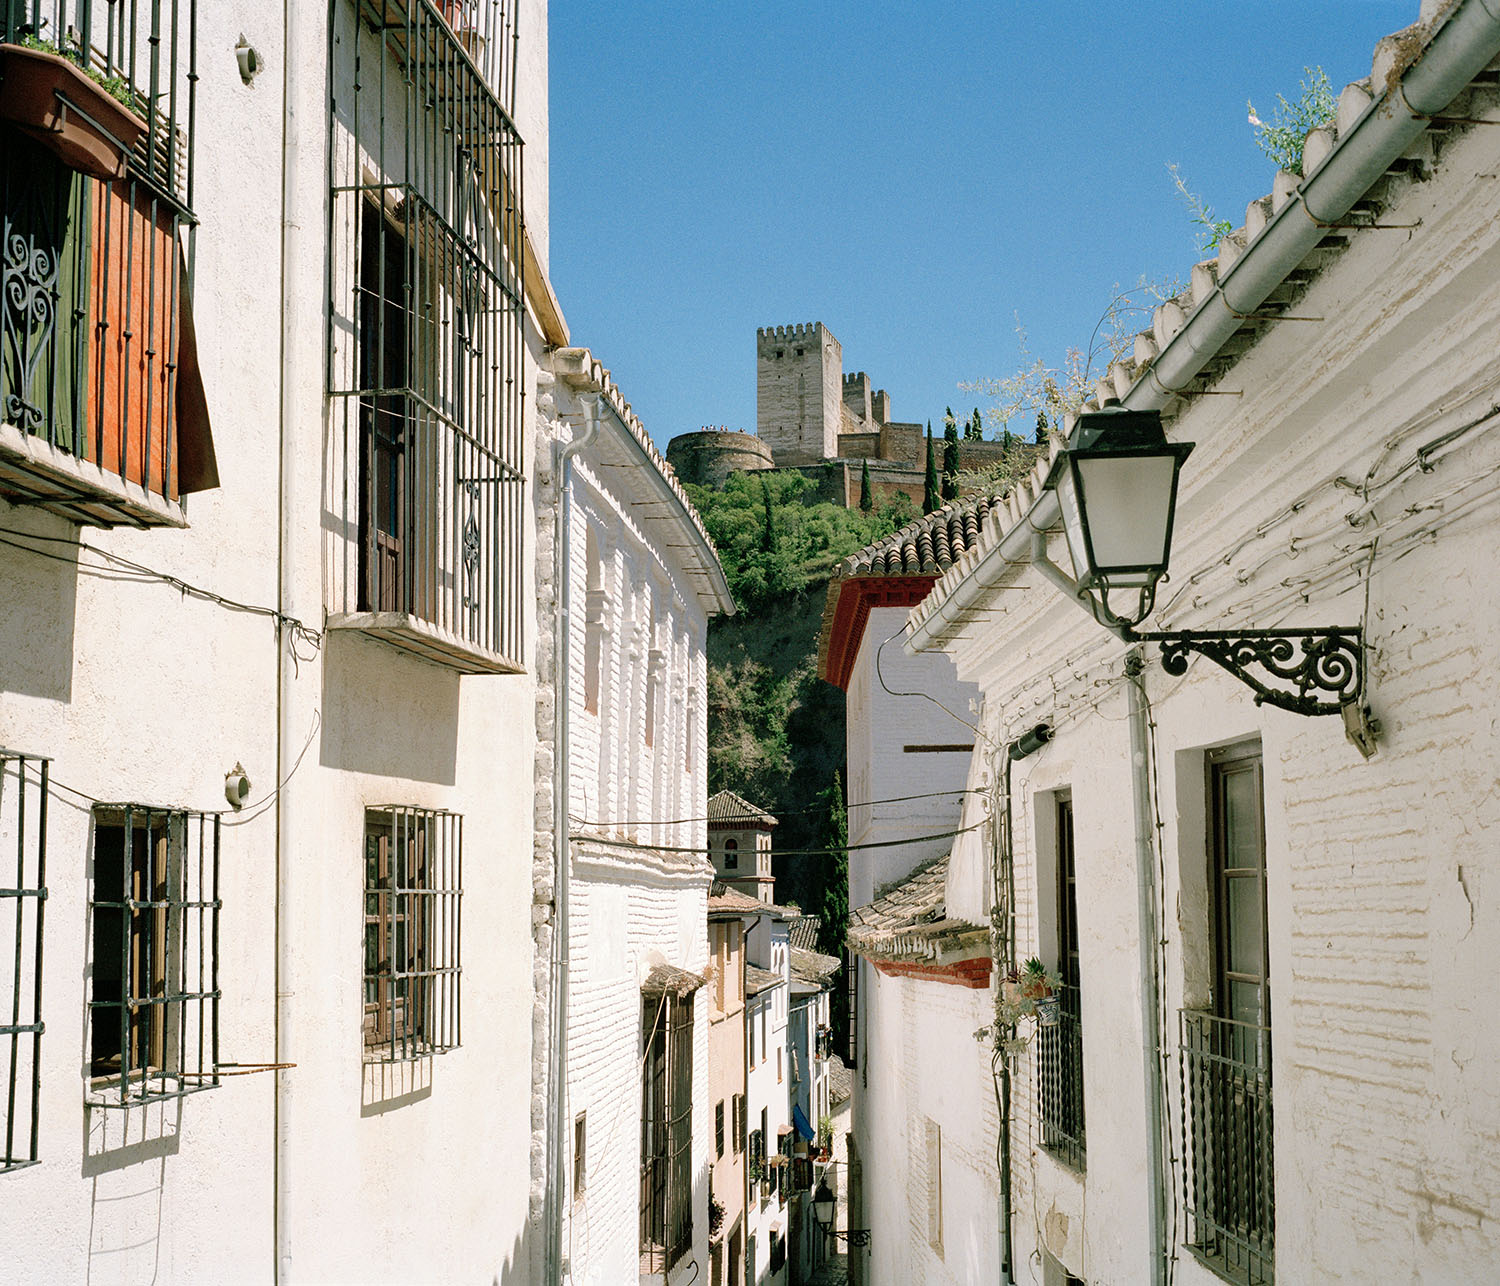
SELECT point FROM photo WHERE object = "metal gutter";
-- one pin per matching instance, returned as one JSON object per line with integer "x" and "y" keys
{"x": 1467, "y": 40}
{"x": 557, "y": 1008}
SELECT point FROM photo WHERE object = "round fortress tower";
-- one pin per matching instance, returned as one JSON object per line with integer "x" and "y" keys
{"x": 707, "y": 458}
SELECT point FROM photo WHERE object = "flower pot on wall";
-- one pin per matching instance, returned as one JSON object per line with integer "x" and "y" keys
{"x": 55, "y": 102}
{"x": 1048, "y": 1011}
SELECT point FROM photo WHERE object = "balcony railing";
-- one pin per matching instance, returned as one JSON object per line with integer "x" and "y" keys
{"x": 426, "y": 478}
{"x": 1229, "y": 1190}
{"x": 102, "y": 413}
{"x": 1060, "y": 1070}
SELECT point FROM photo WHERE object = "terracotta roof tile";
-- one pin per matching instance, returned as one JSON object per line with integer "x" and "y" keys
{"x": 728, "y": 809}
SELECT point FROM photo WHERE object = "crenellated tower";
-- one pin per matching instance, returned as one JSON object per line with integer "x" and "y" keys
{"x": 799, "y": 392}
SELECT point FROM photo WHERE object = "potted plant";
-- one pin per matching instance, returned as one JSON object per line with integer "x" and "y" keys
{"x": 1039, "y": 985}
{"x": 85, "y": 118}
{"x": 825, "y": 1136}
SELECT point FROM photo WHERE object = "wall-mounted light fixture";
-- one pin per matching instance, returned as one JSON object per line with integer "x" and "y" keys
{"x": 1116, "y": 483}
{"x": 823, "y": 1212}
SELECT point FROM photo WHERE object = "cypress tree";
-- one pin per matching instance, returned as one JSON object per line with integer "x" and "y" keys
{"x": 975, "y": 431}
{"x": 768, "y": 533}
{"x": 950, "y": 459}
{"x": 930, "y": 479}
{"x": 866, "y": 500}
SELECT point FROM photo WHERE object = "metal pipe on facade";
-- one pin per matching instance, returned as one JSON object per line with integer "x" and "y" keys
{"x": 287, "y": 605}
{"x": 1465, "y": 43}
{"x": 557, "y": 1061}
{"x": 1149, "y": 932}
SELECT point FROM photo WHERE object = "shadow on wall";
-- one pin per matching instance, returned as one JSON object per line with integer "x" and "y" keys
{"x": 516, "y": 1270}
{"x": 41, "y": 598}
{"x": 391, "y": 1083}
{"x": 387, "y": 713}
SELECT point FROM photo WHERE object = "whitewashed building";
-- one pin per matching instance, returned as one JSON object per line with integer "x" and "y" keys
{"x": 813, "y": 976}
{"x": 1261, "y": 906}
{"x": 921, "y": 1177}
{"x": 768, "y": 1107}
{"x": 266, "y": 697}
{"x": 627, "y": 582}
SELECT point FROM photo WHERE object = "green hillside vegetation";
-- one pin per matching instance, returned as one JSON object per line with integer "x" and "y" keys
{"x": 775, "y": 730}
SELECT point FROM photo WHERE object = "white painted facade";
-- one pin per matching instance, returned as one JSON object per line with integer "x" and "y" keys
{"x": 768, "y": 1105}
{"x": 636, "y": 610}
{"x": 336, "y": 1168}
{"x": 1350, "y": 482}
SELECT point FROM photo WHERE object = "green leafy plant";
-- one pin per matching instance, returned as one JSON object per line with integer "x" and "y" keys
{"x": 1211, "y": 230}
{"x": 116, "y": 86}
{"x": 825, "y": 1131}
{"x": 1281, "y": 137}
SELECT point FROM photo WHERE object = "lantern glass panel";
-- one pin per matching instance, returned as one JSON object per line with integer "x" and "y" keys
{"x": 1126, "y": 503}
{"x": 1078, "y": 546}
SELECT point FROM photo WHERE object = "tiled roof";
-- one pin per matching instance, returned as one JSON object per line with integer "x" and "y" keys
{"x": 814, "y": 967}
{"x": 665, "y": 979}
{"x": 925, "y": 547}
{"x": 1197, "y": 337}
{"x": 803, "y": 932}
{"x": 758, "y": 980}
{"x": 728, "y": 809}
{"x": 725, "y": 900}
{"x": 840, "y": 1081}
{"x": 909, "y": 919}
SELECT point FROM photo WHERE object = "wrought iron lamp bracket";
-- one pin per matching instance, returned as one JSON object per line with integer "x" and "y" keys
{"x": 854, "y": 1236}
{"x": 1305, "y": 671}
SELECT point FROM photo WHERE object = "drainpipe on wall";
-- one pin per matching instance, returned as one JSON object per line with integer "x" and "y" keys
{"x": 287, "y": 605}
{"x": 557, "y": 1062}
{"x": 1150, "y": 936}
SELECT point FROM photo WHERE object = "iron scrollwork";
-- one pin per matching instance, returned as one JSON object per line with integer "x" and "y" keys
{"x": 1305, "y": 671}
{"x": 30, "y": 295}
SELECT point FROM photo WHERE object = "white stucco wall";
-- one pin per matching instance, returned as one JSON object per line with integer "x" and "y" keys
{"x": 139, "y": 692}
{"x": 1380, "y": 908}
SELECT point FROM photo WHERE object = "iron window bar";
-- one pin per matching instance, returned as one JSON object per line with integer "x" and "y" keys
{"x": 24, "y": 782}
{"x": 427, "y": 258}
{"x": 1060, "y": 1071}
{"x": 413, "y": 933}
{"x": 666, "y": 1204}
{"x": 154, "y": 971}
{"x": 97, "y": 272}
{"x": 1229, "y": 1194}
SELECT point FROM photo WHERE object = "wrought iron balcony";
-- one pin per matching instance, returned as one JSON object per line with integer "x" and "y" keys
{"x": 102, "y": 413}
{"x": 1229, "y": 1190}
{"x": 426, "y": 475}
{"x": 1060, "y": 1071}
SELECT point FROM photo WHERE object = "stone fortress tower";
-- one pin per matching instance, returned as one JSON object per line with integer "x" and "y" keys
{"x": 813, "y": 418}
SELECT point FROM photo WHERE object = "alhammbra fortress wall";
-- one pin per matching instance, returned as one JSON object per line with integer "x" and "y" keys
{"x": 813, "y": 418}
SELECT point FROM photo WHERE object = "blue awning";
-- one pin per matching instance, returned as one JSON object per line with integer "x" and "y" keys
{"x": 799, "y": 1119}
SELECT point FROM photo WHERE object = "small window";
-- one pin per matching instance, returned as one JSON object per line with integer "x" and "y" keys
{"x": 23, "y": 842}
{"x": 719, "y": 1128}
{"x": 739, "y": 1123}
{"x": 154, "y": 1006}
{"x": 580, "y": 1155}
{"x": 413, "y": 887}
{"x": 778, "y": 1064}
{"x": 731, "y": 855}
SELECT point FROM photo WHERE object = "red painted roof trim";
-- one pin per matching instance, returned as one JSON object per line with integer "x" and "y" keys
{"x": 857, "y": 596}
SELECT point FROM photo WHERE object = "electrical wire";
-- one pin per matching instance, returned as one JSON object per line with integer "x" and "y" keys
{"x": 792, "y": 812}
{"x": 926, "y": 696}
{"x": 795, "y": 852}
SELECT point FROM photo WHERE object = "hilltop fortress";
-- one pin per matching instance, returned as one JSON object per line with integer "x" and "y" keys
{"x": 813, "y": 418}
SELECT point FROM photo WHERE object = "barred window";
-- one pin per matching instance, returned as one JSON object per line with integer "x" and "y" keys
{"x": 23, "y": 900}
{"x": 426, "y": 345}
{"x": 154, "y": 968}
{"x": 666, "y": 1131}
{"x": 739, "y": 1123}
{"x": 413, "y": 892}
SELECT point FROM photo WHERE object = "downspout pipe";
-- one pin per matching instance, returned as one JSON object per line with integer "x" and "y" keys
{"x": 1149, "y": 932}
{"x": 1466, "y": 42}
{"x": 557, "y": 1008}
{"x": 288, "y": 501}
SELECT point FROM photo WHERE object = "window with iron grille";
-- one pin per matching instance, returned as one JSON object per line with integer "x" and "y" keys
{"x": 413, "y": 932}
{"x": 851, "y": 992}
{"x": 739, "y": 1123}
{"x": 1229, "y": 1189}
{"x": 1060, "y": 1044}
{"x": 102, "y": 412}
{"x": 719, "y": 1127}
{"x": 23, "y": 901}
{"x": 580, "y": 1155}
{"x": 426, "y": 348}
{"x": 154, "y": 963}
{"x": 666, "y": 1230}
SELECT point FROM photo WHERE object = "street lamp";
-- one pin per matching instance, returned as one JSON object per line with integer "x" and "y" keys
{"x": 1116, "y": 484}
{"x": 823, "y": 1207}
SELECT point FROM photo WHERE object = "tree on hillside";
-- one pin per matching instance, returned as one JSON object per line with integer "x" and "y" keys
{"x": 930, "y": 499}
{"x": 950, "y": 459}
{"x": 866, "y": 499}
{"x": 768, "y": 534}
{"x": 834, "y": 906}
{"x": 974, "y": 429}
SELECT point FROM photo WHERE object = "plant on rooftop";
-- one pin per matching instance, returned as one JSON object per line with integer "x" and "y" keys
{"x": 1211, "y": 231}
{"x": 1282, "y": 137}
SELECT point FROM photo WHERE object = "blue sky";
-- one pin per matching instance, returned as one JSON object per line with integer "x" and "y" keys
{"x": 915, "y": 176}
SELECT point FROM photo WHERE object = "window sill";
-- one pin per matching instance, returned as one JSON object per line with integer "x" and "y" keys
{"x": 424, "y": 639}
{"x": 35, "y": 473}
